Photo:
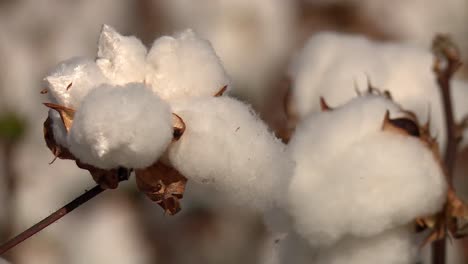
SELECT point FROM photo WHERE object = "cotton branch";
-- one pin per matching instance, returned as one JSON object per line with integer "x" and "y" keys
{"x": 447, "y": 62}
{"x": 55, "y": 216}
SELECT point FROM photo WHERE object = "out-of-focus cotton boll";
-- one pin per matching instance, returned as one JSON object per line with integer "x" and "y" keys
{"x": 121, "y": 59}
{"x": 227, "y": 146}
{"x": 407, "y": 22}
{"x": 2, "y": 261}
{"x": 395, "y": 246}
{"x": 184, "y": 66}
{"x": 72, "y": 80}
{"x": 253, "y": 38}
{"x": 121, "y": 126}
{"x": 330, "y": 65}
{"x": 348, "y": 171}
{"x": 404, "y": 20}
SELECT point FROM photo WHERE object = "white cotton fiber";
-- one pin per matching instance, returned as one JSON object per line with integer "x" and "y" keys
{"x": 331, "y": 63}
{"x": 122, "y": 59}
{"x": 58, "y": 128}
{"x": 352, "y": 178}
{"x": 71, "y": 80}
{"x": 396, "y": 246}
{"x": 3, "y": 261}
{"x": 228, "y": 147}
{"x": 125, "y": 126}
{"x": 184, "y": 66}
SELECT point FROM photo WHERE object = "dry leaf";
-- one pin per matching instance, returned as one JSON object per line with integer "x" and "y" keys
{"x": 162, "y": 184}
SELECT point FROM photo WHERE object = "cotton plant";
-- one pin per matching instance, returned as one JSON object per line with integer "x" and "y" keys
{"x": 330, "y": 63}
{"x": 162, "y": 113}
{"x": 364, "y": 172}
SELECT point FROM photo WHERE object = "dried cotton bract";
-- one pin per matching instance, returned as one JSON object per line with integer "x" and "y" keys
{"x": 227, "y": 146}
{"x": 121, "y": 126}
{"x": 354, "y": 178}
{"x": 184, "y": 66}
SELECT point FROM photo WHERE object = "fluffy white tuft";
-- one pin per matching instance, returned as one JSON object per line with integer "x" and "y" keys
{"x": 395, "y": 246}
{"x": 122, "y": 59}
{"x": 331, "y": 63}
{"x": 71, "y": 80}
{"x": 125, "y": 126}
{"x": 184, "y": 66}
{"x": 227, "y": 146}
{"x": 352, "y": 178}
{"x": 3, "y": 261}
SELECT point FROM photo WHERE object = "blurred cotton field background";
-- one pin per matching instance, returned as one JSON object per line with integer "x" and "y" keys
{"x": 267, "y": 47}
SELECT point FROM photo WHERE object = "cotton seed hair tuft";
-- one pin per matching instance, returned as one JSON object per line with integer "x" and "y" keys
{"x": 227, "y": 146}
{"x": 70, "y": 81}
{"x": 125, "y": 126}
{"x": 122, "y": 59}
{"x": 184, "y": 66}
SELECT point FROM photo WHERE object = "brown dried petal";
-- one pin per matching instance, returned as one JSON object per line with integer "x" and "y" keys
{"x": 162, "y": 184}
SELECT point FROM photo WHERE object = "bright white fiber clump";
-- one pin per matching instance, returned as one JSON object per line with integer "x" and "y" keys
{"x": 353, "y": 178}
{"x": 227, "y": 146}
{"x": 396, "y": 246}
{"x": 125, "y": 126}
{"x": 71, "y": 80}
{"x": 184, "y": 66}
{"x": 331, "y": 63}
{"x": 122, "y": 59}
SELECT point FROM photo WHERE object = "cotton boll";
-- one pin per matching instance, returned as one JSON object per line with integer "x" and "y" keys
{"x": 71, "y": 80}
{"x": 184, "y": 66}
{"x": 121, "y": 59}
{"x": 2, "y": 261}
{"x": 331, "y": 63}
{"x": 395, "y": 246}
{"x": 125, "y": 126}
{"x": 228, "y": 147}
{"x": 348, "y": 171}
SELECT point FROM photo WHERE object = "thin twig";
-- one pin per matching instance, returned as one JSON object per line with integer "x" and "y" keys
{"x": 447, "y": 62}
{"x": 122, "y": 174}
{"x": 51, "y": 219}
